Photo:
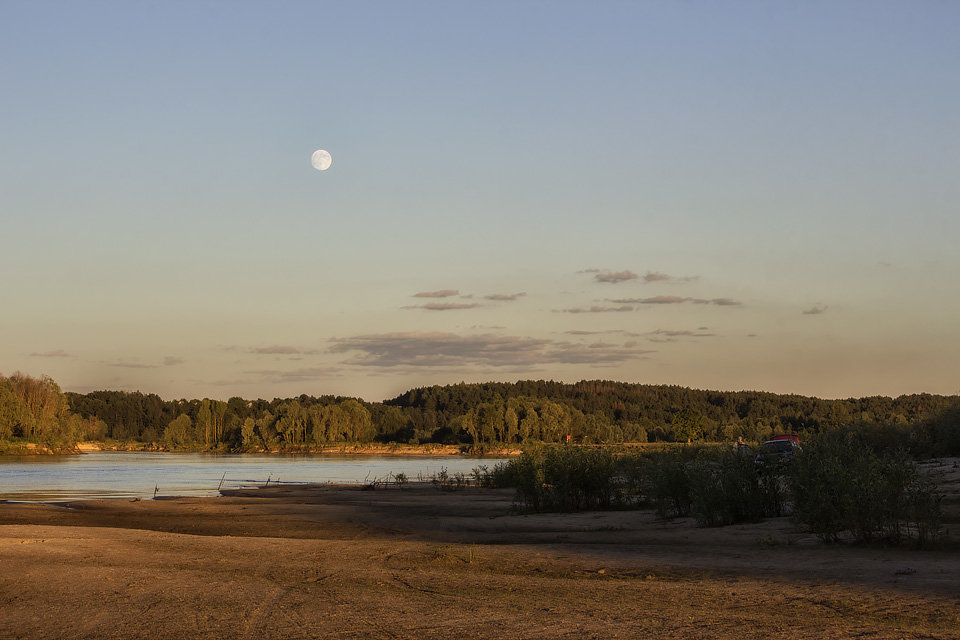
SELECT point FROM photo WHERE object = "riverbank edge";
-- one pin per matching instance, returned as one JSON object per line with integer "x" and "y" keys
{"x": 341, "y": 449}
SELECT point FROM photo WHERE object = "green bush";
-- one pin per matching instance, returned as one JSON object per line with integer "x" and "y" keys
{"x": 560, "y": 478}
{"x": 734, "y": 489}
{"x": 939, "y": 435}
{"x": 842, "y": 488}
{"x": 502, "y": 476}
{"x": 725, "y": 488}
{"x": 668, "y": 485}
{"x": 838, "y": 486}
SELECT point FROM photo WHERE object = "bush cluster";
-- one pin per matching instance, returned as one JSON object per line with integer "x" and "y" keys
{"x": 735, "y": 489}
{"x": 665, "y": 481}
{"x": 935, "y": 436}
{"x": 840, "y": 487}
{"x": 563, "y": 478}
{"x": 574, "y": 478}
{"x": 502, "y": 476}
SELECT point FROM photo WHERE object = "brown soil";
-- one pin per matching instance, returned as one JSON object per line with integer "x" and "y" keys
{"x": 343, "y": 562}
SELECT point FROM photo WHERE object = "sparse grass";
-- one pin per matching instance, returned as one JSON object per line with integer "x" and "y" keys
{"x": 327, "y": 569}
{"x": 457, "y": 553}
{"x": 443, "y": 481}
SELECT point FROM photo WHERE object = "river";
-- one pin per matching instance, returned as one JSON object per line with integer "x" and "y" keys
{"x": 114, "y": 474}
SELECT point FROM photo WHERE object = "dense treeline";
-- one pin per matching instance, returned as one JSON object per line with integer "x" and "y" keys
{"x": 235, "y": 424}
{"x": 605, "y": 411}
{"x": 34, "y": 409}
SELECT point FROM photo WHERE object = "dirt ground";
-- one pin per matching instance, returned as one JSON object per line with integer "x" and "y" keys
{"x": 343, "y": 562}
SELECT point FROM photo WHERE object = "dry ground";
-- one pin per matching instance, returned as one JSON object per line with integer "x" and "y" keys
{"x": 341, "y": 562}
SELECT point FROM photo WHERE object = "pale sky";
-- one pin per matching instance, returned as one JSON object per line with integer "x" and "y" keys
{"x": 723, "y": 195}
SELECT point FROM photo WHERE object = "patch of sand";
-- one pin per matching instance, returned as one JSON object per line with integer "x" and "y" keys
{"x": 343, "y": 562}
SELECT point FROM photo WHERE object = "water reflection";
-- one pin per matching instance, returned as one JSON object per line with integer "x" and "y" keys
{"x": 113, "y": 474}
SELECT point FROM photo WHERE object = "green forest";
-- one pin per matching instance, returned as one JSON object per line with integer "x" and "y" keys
{"x": 473, "y": 415}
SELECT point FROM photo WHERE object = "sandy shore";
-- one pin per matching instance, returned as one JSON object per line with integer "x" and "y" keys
{"x": 342, "y": 562}
{"x": 358, "y": 449}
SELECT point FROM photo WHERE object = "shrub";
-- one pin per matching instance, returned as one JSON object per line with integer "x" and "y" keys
{"x": 734, "y": 489}
{"x": 939, "y": 435}
{"x": 840, "y": 487}
{"x": 922, "y": 507}
{"x": 565, "y": 478}
{"x": 441, "y": 480}
{"x": 503, "y": 475}
{"x": 668, "y": 485}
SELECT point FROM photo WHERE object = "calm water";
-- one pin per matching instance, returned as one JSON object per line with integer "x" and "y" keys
{"x": 136, "y": 474}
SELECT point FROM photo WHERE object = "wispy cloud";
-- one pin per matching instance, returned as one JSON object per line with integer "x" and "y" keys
{"x": 225, "y": 382}
{"x": 597, "y": 309}
{"x": 581, "y": 332}
{"x": 815, "y": 310}
{"x": 132, "y": 365}
{"x": 294, "y": 375}
{"x": 505, "y": 297}
{"x": 275, "y": 350}
{"x": 442, "y": 293}
{"x": 652, "y": 300}
{"x": 673, "y": 335}
{"x": 443, "y": 306}
{"x": 168, "y": 361}
{"x": 654, "y": 276}
{"x": 282, "y": 350}
{"x": 447, "y": 350}
{"x": 721, "y": 302}
{"x": 615, "y": 277}
{"x": 56, "y": 353}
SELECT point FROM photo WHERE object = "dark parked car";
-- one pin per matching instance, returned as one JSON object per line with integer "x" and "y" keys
{"x": 778, "y": 449}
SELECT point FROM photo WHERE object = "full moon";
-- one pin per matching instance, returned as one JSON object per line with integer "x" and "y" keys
{"x": 321, "y": 160}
